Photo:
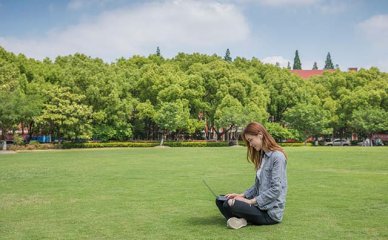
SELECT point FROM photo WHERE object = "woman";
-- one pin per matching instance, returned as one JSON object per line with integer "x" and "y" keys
{"x": 264, "y": 202}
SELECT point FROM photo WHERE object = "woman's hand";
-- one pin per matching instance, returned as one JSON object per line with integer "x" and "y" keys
{"x": 234, "y": 195}
{"x": 243, "y": 199}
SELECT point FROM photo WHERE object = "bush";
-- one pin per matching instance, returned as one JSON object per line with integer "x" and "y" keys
{"x": 18, "y": 139}
{"x": 33, "y": 146}
{"x": 295, "y": 144}
{"x": 108, "y": 144}
{"x": 354, "y": 142}
{"x": 196, "y": 144}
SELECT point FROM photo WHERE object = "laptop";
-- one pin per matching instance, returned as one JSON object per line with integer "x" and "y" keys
{"x": 218, "y": 197}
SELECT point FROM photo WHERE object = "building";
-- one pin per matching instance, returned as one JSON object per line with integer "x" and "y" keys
{"x": 309, "y": 73}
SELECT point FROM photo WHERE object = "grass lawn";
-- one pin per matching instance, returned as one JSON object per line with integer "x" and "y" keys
{"x": 157, "y": 193}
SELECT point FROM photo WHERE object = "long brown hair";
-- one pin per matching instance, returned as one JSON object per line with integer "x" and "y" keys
{"x": 269, "y": 143}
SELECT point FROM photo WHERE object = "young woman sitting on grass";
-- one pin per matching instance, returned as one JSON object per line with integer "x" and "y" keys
{"x": 264, "y": 202}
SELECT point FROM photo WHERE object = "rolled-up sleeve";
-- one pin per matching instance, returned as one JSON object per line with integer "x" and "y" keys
{"x": 250, "y": 192}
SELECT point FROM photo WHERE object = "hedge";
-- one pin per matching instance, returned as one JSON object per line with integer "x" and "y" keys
{"x": 108, "y": 144}
{"x": 295, "y": 144}
{"x": 34, "y": 146}
{"x": 68, "y": 145}
{"x": 196, "y": 144}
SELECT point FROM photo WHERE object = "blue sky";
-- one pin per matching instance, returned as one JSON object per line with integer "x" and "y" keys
{"x": 354, "y": 32}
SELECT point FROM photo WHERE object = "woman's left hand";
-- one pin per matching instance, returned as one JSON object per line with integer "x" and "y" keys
{"x": 242, "y": 199}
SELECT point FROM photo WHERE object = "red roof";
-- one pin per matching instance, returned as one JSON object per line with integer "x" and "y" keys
{"x": 309, "y": 73}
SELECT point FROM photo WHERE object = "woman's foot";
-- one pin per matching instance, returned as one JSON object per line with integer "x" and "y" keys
{"x": 236, "y": 223}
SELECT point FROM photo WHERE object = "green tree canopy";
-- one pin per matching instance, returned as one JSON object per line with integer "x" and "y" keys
{"x": 227, "y": 56}
{"x": 328, "y": 63}
{"x": 297, "y": 63}
{"x": 315, "y": 66}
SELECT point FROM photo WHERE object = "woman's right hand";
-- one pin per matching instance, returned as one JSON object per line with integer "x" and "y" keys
{"x": 233, "y": 195}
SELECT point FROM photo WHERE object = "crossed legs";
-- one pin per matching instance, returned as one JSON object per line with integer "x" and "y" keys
{"x": 239, "y": 209}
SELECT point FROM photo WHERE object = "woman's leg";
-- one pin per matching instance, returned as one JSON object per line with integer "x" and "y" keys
{"x": 224, "y": 209}
{"x": 251, "y": 213}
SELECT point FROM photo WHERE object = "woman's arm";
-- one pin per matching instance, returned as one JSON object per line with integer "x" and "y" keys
{"x": 274, "y": 191}
{"x": 250, "y": 192}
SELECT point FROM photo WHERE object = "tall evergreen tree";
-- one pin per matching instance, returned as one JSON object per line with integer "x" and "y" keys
{"x": 328, "y": 62}
{"x": 227, "y": 56}
{"x": 288, "y": 65}
{"x": 297, "y": 63}
{"x": 315, "y": 66}
{"x": 158, "y": 51}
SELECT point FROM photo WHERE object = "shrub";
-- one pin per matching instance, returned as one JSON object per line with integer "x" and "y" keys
{"x": 18, "y": 139}
{"x": 196, "y": 144}
{"x": 295, "y": 144}
{"x": 354, "y": 142}
{"x": 33, "y": 146}
{"x": 68, "y": 145}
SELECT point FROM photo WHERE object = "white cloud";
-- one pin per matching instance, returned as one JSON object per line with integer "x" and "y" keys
{"x": 375, "y": 29}
{"x": 333, "y": 7}
{"x": 322, "y": 6}
{"x": 280, "y": 3}
{"x": 178, "y": 25}
{"x": 81, "y": 4}
{"x": 283, "y": 62}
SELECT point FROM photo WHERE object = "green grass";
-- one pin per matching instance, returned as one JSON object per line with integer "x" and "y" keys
{"x": 157, "y": 193}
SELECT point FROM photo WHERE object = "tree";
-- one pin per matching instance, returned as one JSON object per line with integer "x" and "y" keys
{"x": 158, "y": 51}
{"x": 285, "y": 91}
{"x": 328, "y": 62}
{"x": 229, "y": 114}
{"x": 315, "y": 66}
{"x": 30, "y": 105}
{"x": 278, "y": 131}
{"x": 288, "y": 65}
{"x": 297, "y": 63}
{"x": 172, "y": 116}
{"x": 227, "y": 56}
{"x": 309, "y": 119}
{"x": 369, "y": 121}
{"x": 10, "y": 90}
{"x": 64, "y": 114}
{"x": 9, "y": 115}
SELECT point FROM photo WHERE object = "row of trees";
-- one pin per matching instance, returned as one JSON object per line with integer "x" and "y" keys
{"x": 191, "y": 95}
{"x": 298, "y": 64}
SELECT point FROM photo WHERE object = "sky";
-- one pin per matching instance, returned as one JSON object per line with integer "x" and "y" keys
{"x": 355, "y": 32}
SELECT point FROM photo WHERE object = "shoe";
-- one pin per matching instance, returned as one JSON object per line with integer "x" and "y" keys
{"x": 236, "y": 223}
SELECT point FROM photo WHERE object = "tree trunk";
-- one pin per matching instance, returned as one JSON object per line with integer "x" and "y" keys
{"x": 59, "y": 136}
{"x": 220, "y": 134}
{"x": 163, "y": 136}
{"x": 30, "y": 131}
{"x": 2, "y": 134}
{"x": 236, "y": 135}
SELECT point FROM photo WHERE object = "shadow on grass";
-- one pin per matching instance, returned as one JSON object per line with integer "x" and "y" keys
{"x": 208, "y": 221}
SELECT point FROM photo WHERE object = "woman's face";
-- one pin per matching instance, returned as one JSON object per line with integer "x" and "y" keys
{"x": 255, "y": 141}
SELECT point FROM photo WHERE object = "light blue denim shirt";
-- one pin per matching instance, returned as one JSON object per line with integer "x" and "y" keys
{"x": 270, "y": 189}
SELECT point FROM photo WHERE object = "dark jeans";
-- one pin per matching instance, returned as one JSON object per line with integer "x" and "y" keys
{"x": 243, "y": 210}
